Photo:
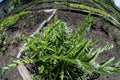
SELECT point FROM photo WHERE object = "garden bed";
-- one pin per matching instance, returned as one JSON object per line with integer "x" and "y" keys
{"x": 101, "y": 29}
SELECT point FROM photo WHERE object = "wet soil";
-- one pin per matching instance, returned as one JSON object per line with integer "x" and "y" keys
{"x": 102, "y": 30}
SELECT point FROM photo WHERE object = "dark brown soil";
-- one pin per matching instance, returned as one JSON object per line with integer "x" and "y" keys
{"x": 102, "y": 30}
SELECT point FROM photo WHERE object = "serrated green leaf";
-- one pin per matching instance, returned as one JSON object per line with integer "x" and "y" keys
{"x": 41, "y": 69}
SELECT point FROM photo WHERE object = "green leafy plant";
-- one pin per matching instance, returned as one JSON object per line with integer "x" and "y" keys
{"x": 15, "y": 3}
{"x": 62, "y": 54}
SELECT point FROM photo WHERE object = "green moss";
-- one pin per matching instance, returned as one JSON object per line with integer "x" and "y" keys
{"x": 82, "y": 6}
{"x": 11, "y": 20}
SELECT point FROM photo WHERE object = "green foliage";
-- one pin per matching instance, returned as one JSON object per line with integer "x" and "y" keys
{"x": 62, "y": 54}
{"x": 86, "y": 7}
{"x": 82, "y": 6}
{"x": 11, "y": 20}
{"x": 15, "y": 3}
{"x": 16, "y": 63}
{"x": 108, "y": 5}
{"x": 3, "y": 40}
{"x": 18, "y": 3}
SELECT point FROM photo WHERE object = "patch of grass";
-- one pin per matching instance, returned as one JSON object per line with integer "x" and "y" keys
{"x": 82, "y": 6}
{"x": 11, "y": 20}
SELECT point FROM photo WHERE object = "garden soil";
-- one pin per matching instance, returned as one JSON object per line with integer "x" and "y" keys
{"x": 101, "y": 29}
